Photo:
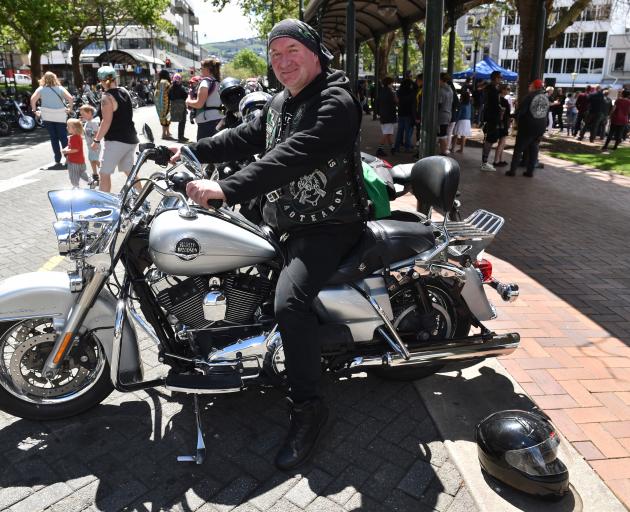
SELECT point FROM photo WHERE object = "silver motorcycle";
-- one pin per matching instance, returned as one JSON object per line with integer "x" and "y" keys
{"x": 200, "y": 283}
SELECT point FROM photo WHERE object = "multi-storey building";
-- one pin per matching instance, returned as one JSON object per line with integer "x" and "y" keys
{"x": 138, "y": 52}
{"x": 595, "y": 49}
{"x": 488, "y": 41}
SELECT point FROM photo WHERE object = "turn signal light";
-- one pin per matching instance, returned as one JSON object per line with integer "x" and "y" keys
{"x": 485, "y": 267}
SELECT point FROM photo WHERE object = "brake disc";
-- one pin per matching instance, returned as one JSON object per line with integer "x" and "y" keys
{"x": 26, "y": 364}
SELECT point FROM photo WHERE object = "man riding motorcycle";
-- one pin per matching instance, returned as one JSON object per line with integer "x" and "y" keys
{"x": 310, "y": 172}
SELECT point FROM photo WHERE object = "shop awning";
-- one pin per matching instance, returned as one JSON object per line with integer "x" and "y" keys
{"x": 128, "y": 57}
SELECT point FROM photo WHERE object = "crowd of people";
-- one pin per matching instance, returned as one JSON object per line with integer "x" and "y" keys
{"x": 490, "y": 105}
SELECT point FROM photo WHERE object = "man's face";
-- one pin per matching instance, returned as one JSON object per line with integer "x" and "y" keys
{"x": 293, "y": 63}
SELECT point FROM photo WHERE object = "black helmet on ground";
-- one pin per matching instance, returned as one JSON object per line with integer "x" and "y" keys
{"x": 520, "y": 449}
{"x": 231, "y": 92}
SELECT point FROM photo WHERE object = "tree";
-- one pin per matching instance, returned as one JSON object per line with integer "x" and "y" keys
{"x": 248, "y": 61}
{"x": 528, "y": 10}
{"x": 37, "y": 22}
{"x": 263, "y": 13}
{"x": 83, "y": 23}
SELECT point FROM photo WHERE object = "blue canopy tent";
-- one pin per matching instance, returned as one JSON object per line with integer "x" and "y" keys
{"x": 484, "y": 67}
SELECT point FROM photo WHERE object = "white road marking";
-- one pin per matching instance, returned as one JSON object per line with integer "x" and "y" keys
{"x": 21, "y": 179}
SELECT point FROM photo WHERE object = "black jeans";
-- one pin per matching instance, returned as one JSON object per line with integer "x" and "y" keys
{"x": 526, "y": 145}
{"x": 578, "y": 122}
{"x": 313, "y": 256}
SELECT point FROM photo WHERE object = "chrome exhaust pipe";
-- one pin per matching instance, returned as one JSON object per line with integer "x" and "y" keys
{"x": 474, "y": 348}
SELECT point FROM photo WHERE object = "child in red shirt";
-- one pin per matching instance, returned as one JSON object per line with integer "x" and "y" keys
{"x": 74, "y": 153}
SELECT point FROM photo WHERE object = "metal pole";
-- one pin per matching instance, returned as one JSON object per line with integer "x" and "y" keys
{"x": 405, "y": 63}
{"x": 377, "y": 82}
{"x": 451, "y": 39}
{"x": 474, "y": 77}
{"x": 351, "y": 44}
{"x": 537, "y": 70}
{"x": 271, "y": 77}
{"x": 432, "y": 50}
{"x": 301, "y": 9}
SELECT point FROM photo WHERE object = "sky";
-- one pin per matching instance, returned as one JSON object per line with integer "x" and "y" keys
{"x": 217, "y": 26}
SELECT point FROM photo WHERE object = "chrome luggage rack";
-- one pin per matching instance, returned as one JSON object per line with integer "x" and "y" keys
{"x": 474, "y": 233}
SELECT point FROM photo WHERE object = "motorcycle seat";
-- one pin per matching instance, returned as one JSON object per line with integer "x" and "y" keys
{"x": 384, "y": 242}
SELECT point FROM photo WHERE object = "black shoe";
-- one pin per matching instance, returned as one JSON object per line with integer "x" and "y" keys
{"x": 510, "y": 173}
{"x": 56, "y": 167}
{"x": 182, "y": 139}
{"x": 528, "y": 174}
{"x": 307, "y": 420}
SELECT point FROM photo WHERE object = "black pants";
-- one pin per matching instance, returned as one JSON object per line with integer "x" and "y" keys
{"x": 578, "y": 122}
{"x": 557, "y": 118}
{"x": 313, "y": 256}
{"x": 616, "y": 132}
{"x": 526, "y": 145}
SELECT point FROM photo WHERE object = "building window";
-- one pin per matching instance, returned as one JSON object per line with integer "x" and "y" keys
{"x": 620, "y": 61}
{"x": 588, "y": 14}
{"x": 559, "y": 43}
{"x": 556, "y": 65}
{"x": 509, "y": 42}
{"x": 583, "y": 66}
{"x": 572, "y": 40}
{"x": 587, "y": 40}
{"x": 546, "y": 65}
{"x": 512, "y": 18}
{"x": 600, "y": 39}
{"x": 569, "y": 66}
{"x": 603, "y": 12}
{"x": 470, "y": 22}
{"x": 467, "y": 52}
{"x": 597, "y": 66}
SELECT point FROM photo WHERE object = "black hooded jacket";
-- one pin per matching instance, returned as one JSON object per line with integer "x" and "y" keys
{"x": 310, "y": 169}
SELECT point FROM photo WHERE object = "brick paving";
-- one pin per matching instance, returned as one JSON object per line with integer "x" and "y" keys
{"x": 565, "y": 243}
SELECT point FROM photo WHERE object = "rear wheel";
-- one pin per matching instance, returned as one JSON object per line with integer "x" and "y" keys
{"x": 452, "y": 320}
{"x": 81, "y": 383}
{"x": 5, "y": 129}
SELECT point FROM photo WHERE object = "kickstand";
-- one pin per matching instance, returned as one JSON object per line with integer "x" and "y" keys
{"x": 200, "y": 456}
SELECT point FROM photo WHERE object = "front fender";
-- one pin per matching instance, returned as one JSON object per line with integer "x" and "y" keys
{"x": 47, "y": 294}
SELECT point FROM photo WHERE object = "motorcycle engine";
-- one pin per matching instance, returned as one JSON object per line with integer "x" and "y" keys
{"x": 242, "y": 295}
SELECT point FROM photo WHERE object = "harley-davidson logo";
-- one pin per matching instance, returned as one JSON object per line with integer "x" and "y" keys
{"x": 187, "y": 249}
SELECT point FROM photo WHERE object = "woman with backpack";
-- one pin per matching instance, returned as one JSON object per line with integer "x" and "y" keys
{"x": 208, "y": 102}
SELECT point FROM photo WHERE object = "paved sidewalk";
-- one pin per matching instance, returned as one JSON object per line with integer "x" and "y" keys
{"x": 565, "y": 242}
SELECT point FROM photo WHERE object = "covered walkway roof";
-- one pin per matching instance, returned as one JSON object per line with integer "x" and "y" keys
{"x": 373, "y": 17}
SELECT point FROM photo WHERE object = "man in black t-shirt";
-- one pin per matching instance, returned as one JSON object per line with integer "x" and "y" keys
{"x": 491, "y": 119}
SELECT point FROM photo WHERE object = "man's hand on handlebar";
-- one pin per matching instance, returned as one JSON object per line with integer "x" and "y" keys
{"x": 177, "y": 152}
{"x": 202, "y": 191}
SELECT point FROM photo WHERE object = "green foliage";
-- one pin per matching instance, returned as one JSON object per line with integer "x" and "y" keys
{"x": 264, "y": 13}
{"x": 246, "y": 59}
{"x": 230, "y": 70}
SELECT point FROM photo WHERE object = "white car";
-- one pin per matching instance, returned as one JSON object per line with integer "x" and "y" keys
{"x": 20, "y": 79}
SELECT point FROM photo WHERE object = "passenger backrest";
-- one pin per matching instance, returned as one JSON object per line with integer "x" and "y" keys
{"x": 434, "y": 181}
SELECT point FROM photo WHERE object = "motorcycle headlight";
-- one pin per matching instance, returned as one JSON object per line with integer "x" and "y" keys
{"x": 84, "y": 218}
{"x": 69, "y": 236}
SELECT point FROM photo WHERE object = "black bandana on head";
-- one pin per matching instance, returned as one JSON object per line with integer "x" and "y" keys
{"x": 302, "y": 33}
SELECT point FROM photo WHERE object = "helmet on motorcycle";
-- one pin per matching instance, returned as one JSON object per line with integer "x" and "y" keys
{"x": 231, "y": 92}
{"x": 253, "y": 103}
{"x": 106, "y": 72}
{"x": 520, "y": 449}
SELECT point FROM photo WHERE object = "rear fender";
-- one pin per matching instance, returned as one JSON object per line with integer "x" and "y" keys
{"x": 475, "y": 296}
{"x": 47, "y": 294}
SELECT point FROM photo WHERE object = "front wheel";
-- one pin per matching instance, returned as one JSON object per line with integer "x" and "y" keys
{"x": 26, "y": 123}
{"x": 81, "y": 383}
{"x": 452, "y": 320}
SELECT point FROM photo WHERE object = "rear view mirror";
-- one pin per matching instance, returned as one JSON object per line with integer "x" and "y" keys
{"x": 146, "y": 131}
